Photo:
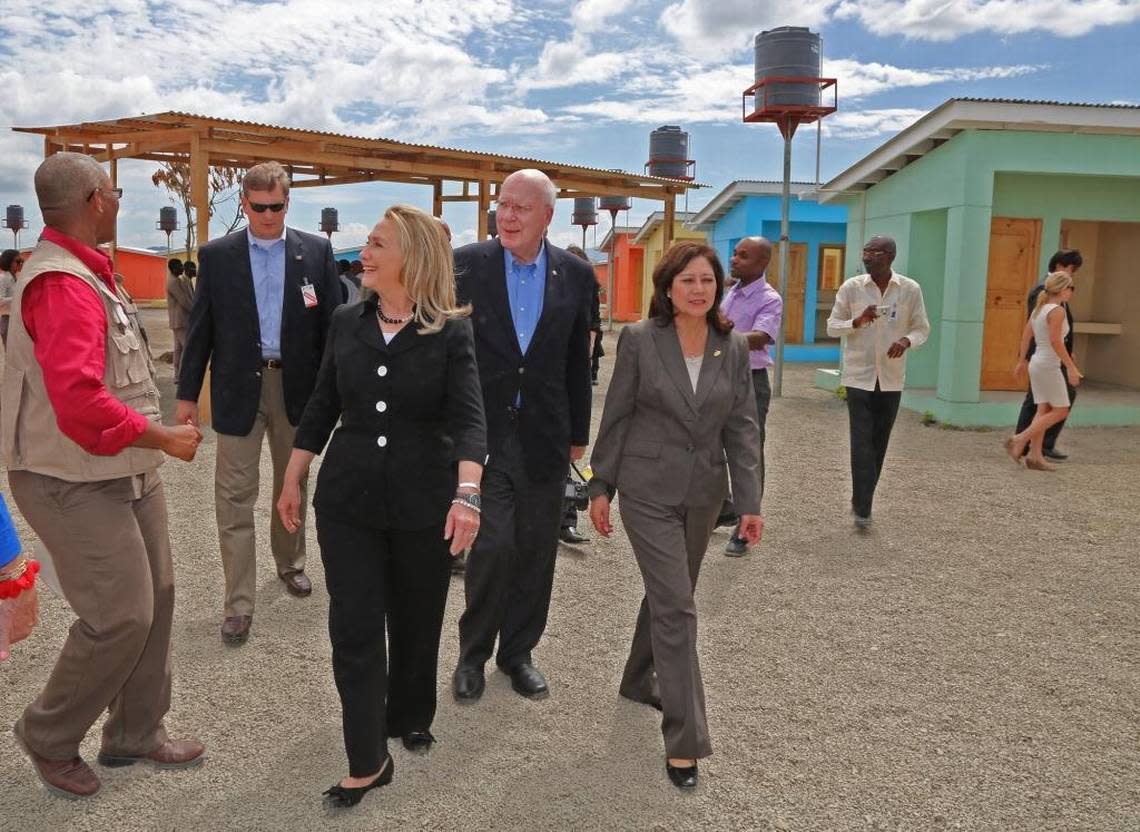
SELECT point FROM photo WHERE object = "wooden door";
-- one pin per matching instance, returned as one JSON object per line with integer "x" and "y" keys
{"x": 794, "y": 300}
{"x": 1015, "y": 249}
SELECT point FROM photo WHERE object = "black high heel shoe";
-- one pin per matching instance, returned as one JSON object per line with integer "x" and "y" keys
{"x": 682, "y": 778}
{"x": 344, "y": 797}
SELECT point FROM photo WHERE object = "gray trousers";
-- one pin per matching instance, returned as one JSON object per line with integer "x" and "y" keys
{"x": 669, "y": 543}
{"x": 236, "y": 479}
{"x": 763, "y": 391}
{"x": 111, "y": 549}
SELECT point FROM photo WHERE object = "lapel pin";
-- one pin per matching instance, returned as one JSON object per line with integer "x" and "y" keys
{"x": 298, "y": 257}
{"x": 716, "y": 353}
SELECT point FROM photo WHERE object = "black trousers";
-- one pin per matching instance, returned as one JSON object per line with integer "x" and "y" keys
{"x": 763, "y": 390}
{"x": 1029, "y": 410}
{"x": 510, "y": 570}
{"x": 871, "y": 414}
{"x": 381, "y": 582}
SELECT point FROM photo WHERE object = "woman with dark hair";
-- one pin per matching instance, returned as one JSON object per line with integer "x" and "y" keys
{"x": 680, "y": 416}
{"x": 10, "y": 265}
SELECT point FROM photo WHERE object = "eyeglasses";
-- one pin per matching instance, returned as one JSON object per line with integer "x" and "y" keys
{"x": 262, "y": 207}
{"x": 117, "y": 193}
{"x": 513, "y": 207}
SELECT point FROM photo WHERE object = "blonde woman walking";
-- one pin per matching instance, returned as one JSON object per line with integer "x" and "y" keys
{"x": 1048, "y": 327}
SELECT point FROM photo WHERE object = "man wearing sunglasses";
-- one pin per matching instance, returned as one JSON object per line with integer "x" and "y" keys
{"x": 261, "y": 310}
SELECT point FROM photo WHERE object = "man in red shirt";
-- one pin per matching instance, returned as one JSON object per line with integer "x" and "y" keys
{"x": 82, "y": 440}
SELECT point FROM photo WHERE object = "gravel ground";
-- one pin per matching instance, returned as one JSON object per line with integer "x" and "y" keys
{"x": 970, "y": 663}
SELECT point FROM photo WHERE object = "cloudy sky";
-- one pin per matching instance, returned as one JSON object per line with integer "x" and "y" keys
{"x": 582, "y": 81}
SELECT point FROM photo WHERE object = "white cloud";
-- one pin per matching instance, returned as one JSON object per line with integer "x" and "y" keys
{"x": 721, "y": 27}
{"x": 944, "y": 20}
{"x": 857, "y": 80}
{"x": 864, "y": 124}
{"x": 592, "y": 15}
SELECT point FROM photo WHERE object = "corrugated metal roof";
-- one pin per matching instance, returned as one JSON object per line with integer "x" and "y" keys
{"x": 161, "y": 120}
{"x": 1114, "y": 105}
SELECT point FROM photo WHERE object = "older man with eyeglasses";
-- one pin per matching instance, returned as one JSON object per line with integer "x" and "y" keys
{"x": 262, "y": 308}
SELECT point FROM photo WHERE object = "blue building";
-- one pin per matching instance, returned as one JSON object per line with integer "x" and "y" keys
{"x": 816, "y": 256}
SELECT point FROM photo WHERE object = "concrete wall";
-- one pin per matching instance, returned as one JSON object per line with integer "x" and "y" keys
{"x": 1115, "y": 299}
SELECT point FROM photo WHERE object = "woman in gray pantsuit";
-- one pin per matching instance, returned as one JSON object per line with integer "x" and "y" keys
{"x": 680, "y": 405}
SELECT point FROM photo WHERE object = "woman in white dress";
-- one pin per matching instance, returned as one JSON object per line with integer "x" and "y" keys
{"x": 1047, "y": 326}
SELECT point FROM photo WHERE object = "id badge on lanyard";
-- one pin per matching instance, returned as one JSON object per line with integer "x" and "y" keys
{"x": 309, "y": 294}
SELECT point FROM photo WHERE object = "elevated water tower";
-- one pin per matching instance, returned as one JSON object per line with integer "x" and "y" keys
{"x": 15, "y": 222}
{"x": 613, "y": 204}
{"x": 167, "y": 223}
{"x": 330, "y": 222}
{"x": 788, "y": 93}
{"x": 585, "y": 214}
{"x": 492, "y": 224}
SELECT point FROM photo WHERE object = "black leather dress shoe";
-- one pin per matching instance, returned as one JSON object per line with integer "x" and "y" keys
{"x": 344, "y": 797}
{"x": 682, "y": 778}
{"x": 468, "y": 683}
{"x": 418, "y": 742}
{"x": 1053, "y": 453}
{"x": 526, "y": 680}
{"x": 569, "y": 534}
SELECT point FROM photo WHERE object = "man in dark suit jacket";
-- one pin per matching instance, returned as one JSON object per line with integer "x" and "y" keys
{"x": 1065, "y": 260}
{"x": 532, "y": 321}
{"x": 263, "y": 305}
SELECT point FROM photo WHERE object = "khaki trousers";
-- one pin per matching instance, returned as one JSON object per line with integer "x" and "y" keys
{"x": 235, "y": 493}
{"x": 669, "y": 543}
{"x": 111, "y": 548}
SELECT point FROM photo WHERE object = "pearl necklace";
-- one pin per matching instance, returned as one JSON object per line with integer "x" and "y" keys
{"x": 394, "y": 321}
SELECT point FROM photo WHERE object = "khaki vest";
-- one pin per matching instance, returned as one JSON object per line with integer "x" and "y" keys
{"x": 30, "y": 439}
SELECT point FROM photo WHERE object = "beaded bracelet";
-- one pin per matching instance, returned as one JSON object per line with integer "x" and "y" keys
{"x": 458, "y": 501}
{"x": 16, "y": 582}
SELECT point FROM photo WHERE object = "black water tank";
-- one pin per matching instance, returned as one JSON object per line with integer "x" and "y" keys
{"x": 585, "y": 212}
{"x": 329, "y": 220}
{"x": 492, "y": 225}
{"x": 168, "y": 219}
{"x": 14, "y": 217}
{"x": 669, "y": 152}
{"x": 788, "y": 51}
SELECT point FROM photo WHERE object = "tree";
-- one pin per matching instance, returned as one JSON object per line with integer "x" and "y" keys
{"x": 224, "y": 185}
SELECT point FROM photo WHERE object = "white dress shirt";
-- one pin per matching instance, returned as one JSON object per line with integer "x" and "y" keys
{"x": 865, "y": 348}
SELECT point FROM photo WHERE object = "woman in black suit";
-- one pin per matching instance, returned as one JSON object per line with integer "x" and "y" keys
{"x": 400, "y": 480}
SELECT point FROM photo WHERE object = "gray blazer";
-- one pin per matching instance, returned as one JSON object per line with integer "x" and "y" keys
{"x": 661, "y": 442}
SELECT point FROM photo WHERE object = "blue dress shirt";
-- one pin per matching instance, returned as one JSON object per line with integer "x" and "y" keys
{"x": 267, "y": 262}
{"x": 526, "y": 286}
{"x": 9, "y": 542}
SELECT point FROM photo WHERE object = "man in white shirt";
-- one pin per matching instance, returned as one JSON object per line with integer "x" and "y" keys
{"x": 880, "y": 316}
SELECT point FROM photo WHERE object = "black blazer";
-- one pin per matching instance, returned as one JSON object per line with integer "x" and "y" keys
{"x": 1032, "y": 303}
{"x": 225, "y": 331}
{"x": 554, "y": 375}
{"x": 409, "y": 411}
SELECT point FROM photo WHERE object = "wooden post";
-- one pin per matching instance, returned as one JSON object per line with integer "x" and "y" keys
{"x": 200, "y": 196}
{"x": 114, "y": 184}
{"x": 670, "y": 219}
{"x": 50, "y": 147}
{"x": 437, "y": 198}
{"x": 484, "y": 207}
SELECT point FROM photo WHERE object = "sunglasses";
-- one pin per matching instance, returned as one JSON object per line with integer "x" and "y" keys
{"x": 115, "y": 192}
{"x": 262, "y": 207}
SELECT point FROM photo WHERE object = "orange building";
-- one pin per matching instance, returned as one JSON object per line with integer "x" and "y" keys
{"x": 143, "y": 271}
{"x": 629, "y": 260}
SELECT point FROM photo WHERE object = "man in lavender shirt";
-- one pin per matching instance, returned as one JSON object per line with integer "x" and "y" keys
{"x": 755, "y": 309}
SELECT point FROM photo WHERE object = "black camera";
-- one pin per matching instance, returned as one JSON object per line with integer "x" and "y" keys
{"x": 576, "y": 494}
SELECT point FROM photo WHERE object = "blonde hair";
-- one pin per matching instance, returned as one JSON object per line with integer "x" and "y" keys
{"x": 428, "y": 273}
{"x": 263, "y": 176}
{"x": 1055, "y": 283}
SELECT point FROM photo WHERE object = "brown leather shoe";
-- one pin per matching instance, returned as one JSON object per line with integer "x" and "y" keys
{"x": 298, "y": 583}
{"x": 235, "y": 628}
{"x": 72, "y": 778}
{"x": 171, "y": 754}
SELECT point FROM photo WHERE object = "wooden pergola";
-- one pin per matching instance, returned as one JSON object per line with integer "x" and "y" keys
{"x": 316, "y": 159}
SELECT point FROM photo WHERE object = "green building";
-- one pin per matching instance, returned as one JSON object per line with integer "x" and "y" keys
{"x": 978, "y": 194}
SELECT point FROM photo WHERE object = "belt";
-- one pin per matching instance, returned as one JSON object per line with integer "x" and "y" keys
{"x": 271, "y": 363}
